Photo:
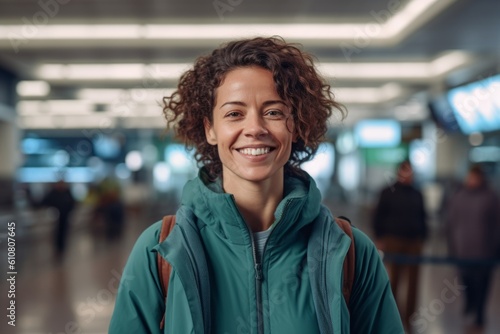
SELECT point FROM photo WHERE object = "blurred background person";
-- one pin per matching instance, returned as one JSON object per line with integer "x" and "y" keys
{"x": 472, "y": 226}
{"x": 400, "y": 227}
{"x": 110, "y": 207}
{"x": 60, "y": 198}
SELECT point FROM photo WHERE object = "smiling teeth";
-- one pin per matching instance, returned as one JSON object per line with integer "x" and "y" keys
{"x": 255, "y": 151}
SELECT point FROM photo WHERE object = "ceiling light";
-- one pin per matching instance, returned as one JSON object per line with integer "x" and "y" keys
{"x": 153, "y": 74}
{"x": 375, "y": 70}
{"x": 71, "y": 31}
{"x": 304, "y": 31}
{"x": 403, "y": 71}
{"x": 368, "y": 95}
{"x": 65, "y": 122}
{"x": 449, "y": 61}
{"x": 415, "y": 13}
{"x": 55, "y": 107}
{"x": 395, "y": 25}
{"x": 101, "y": 95}
{"x": 91, "y": 71}
{"x": 33, "y": 88}
{"x": 123, "y": 96}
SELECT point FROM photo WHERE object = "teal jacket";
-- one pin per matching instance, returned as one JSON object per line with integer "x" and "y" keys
{"x": 218, "y": 286}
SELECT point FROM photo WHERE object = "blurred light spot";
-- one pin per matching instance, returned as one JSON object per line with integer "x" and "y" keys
{"x": 178, "y": 159}
{"x": 149, "y": 154}
{"x": 134, "y": 161}
{"x": 161, "y": 176}
{"x": 378, "y": 133}
{"x": 421, "y": 155}
{"x": 345, "y": 142}
{"x": 321, "y": 165}
{"x": 349, "y": 172}
{"x": 60, "y": 158}
{"x": 35, "y": 146}
{"x": 52, "y": 174}
{"x": 485, "y": 154}
{"x": 122, "y": 172}
{"x": 161, "y": 172}
{"x": 79, "y": 191}
{"x": 106, "y": 147}
{"x": 476, "y": 138}
{"x": 97, "y": 166}
{"x": 30, "y": 145}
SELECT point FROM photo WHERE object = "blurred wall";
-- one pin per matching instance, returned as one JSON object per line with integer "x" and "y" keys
{"x": 451, "y": 155}
{"x": 9, "y": 138}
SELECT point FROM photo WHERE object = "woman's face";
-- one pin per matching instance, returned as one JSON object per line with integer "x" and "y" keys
{"x": 252, "y": 127}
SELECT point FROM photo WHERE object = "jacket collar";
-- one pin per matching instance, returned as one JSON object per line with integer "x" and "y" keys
{"x": 217, "y": 209}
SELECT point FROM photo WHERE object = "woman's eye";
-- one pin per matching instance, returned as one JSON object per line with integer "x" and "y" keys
{"x": 275, "y": 113}
{"x": 233, "y": 114}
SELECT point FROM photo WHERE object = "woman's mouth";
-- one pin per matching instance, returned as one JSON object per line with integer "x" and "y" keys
{"x": 255, "y": 151}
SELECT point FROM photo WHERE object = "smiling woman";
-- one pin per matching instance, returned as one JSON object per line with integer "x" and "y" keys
{"x": 295, "y": 83}
{"x": 251, "y": 232}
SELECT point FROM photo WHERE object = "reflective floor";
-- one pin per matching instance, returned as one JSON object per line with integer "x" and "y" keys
{"x": 76, "y": 294}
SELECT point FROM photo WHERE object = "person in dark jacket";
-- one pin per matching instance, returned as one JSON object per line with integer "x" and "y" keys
{"x": 252, "y": 249}
{"x": 60, "y": 198}
{"x": 472, "y": 226}
{"x": 400, "y": 228}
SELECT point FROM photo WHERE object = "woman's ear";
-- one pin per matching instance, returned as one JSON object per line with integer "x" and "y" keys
{"x": 209, "y": 132}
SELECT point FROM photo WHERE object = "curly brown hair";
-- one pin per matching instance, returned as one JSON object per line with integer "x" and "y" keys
{"x": 297, "y": 83}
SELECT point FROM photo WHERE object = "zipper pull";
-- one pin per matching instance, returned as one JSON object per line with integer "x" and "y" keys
{"x": 258, "y": 271}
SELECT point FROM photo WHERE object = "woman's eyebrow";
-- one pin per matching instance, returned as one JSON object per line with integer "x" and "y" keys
{"x": 239, "y": 103}
{"x": 267, "y": 103}
{"x": 243, "y": 104}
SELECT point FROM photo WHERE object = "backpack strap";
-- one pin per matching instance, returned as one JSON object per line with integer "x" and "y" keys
{"x": 349, "y": 261}
{"x": 164, "y": 268}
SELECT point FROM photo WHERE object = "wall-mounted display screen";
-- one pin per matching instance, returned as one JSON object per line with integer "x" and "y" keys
{"x": 443, "y": 115}
{"x": 377, "y": 133}
{"x": 476, "y": 106}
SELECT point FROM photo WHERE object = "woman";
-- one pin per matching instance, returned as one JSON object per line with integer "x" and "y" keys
{"x": 253, "y": 110}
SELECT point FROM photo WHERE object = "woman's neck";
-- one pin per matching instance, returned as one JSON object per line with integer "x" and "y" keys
{"x": 257, "y": 201}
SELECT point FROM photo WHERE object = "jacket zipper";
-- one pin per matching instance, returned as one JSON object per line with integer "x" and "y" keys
{"x": 258, "y": 286}
{"x": 259, "y": 277}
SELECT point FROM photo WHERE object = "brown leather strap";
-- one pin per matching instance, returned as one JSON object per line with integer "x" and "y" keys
{"x": 349, "y": 262}
{"x": 164, "y": 268}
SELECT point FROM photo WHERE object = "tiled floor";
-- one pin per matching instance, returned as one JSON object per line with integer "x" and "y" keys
{"x": 76, "y": 295}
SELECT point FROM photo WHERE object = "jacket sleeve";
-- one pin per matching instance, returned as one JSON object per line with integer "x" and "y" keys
{"x": 139, "y": 305}
{"x": 372, "y": 307}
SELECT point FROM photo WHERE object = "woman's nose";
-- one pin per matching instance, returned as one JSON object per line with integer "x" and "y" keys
{"x": 255, "y": 126}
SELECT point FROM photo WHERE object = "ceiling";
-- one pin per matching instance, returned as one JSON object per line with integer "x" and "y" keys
{"x": 377, "y": 54}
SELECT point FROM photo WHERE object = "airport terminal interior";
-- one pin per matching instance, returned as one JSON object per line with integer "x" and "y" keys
{"x": 82, "y": 84}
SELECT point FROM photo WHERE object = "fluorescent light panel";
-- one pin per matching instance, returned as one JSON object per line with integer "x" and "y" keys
{"x": 391, "y": 30}
{"x": 154, "y": 73}
{"x": 55, "y": 107}
{"x": 368, "y": 95}
{"x": 122, "y": 96}
{"x": 406, "y": 15}
{"x": 33, "y": 88}
{"x": 151, "y": 97}
{"x": 111, "y": 71}
{"x": 65, "y": 122}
